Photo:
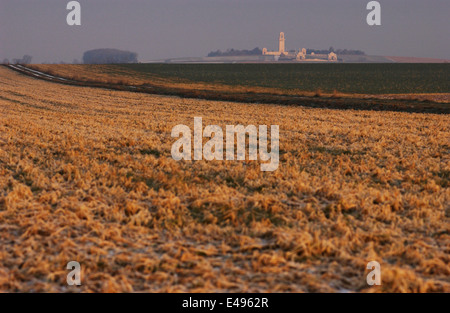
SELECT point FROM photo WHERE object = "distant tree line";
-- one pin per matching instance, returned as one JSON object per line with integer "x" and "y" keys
{"x": 26, "y": 59}
{"x": 234, "y": 53}
{"x": 109, "y": 56}
{"x": 337, "y": 51}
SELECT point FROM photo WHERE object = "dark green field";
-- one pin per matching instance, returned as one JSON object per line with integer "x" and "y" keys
{"x": 346, "y": 78}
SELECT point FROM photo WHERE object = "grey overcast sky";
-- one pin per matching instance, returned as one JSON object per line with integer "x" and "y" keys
{"x": 160, "y": 29}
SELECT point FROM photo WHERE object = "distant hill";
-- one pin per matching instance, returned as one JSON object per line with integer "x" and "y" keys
{"x": 416, "y": 60}
{"x": 270, "y": 59}
{"x": 258, "y": 51}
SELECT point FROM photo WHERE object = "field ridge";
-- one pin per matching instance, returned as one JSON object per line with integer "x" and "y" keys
{"x": 318, "y": 100}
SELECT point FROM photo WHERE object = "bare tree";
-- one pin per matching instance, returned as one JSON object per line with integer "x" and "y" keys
{"x": 26, "y": 59}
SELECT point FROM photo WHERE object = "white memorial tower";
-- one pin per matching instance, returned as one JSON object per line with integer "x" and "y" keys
{"x": 282, "y": 48}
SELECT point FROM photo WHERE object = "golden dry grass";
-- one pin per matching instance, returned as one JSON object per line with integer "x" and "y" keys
{"x": 87, "y": 175}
